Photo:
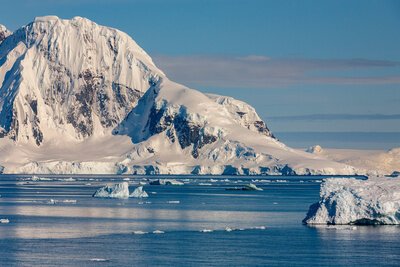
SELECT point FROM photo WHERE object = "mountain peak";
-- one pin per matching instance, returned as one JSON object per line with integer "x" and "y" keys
{"x": 4, "y": 33}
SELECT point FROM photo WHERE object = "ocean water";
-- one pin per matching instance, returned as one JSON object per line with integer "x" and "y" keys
{"x": 54, "y": 221}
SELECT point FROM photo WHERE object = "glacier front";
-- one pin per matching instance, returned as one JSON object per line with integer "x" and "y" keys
{"x": 355, "y": 201}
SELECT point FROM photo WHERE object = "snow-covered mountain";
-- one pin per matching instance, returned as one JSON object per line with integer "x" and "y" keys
{"x": 77, "y": 97}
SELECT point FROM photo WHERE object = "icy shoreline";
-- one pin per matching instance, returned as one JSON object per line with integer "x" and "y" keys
{"x": 354, "y": 201}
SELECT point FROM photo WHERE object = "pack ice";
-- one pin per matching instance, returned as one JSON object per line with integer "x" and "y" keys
{"x": 354, "y": 201}
{"x": 119, "y": 191}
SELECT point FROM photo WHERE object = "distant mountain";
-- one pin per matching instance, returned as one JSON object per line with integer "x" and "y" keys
{"x": 77, "y": 97}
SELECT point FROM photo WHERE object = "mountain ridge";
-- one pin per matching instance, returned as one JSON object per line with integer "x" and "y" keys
{"x": 77, "y": 97}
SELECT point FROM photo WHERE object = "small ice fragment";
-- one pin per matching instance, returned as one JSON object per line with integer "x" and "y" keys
{"x": 158, "y": 232}
{"x": 213, "y": 180}
{"x": 259, "y": 227}
{"x": 228, "y": 229}
{"x": 206, "y": 230}
{"x": 139, "y": 232}
{"x": 174, "y": 202}
{"x": 98, "y": 260}
{"x": 205, "y": 184}
{"x": 52, "y": 201}
{"x": 72, "y": 201}
{"x": 139, "y": 193}
{"x": 142, "y": 183}
{"x": 165, "y": 182}
{"x": 4, "y": 220}
{"x": 126, "y": 179}
{"x": 275, "y": 203}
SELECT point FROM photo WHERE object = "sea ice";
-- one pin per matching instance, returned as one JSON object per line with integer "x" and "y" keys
{"x": 4, "y": 220}
{"x": 139, "y": 232}
{"x": 354, "y": 201}
{"x": 139, "y": 192}
{"x": 158, "y": 232}
{"x": 115, "y": 191}
{"x": 165, "y": 182}
{"x": 206, "y": 230}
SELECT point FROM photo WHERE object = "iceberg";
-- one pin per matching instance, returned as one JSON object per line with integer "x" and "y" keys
{"x": 115, "y": 191}
{"x": 252, "y": 187}
{"x": 120, "y": 191}
{"x": 4, "y": 220}
{"x": 139, "y": 193}
{"x": 354, "y": 201}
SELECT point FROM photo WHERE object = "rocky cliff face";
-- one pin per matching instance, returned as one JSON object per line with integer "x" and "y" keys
{"x": 77, "y": 97}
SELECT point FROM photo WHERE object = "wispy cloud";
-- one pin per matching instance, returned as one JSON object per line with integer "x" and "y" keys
{"x": 263, "y": 72}
{"x": 324, "y": 117}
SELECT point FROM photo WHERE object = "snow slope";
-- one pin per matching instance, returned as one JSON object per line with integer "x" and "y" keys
{"x": 352, "y": 201}
{"x": 77, "y": 97}
{"x": 372, "y": 161}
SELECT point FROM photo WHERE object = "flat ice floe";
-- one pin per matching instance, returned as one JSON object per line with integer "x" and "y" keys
{"x": 354, "y": 201}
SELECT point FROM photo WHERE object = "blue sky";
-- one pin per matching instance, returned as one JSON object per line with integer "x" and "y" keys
{"x": 306, "y": 66}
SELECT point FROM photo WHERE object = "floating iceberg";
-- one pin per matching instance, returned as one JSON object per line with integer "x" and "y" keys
{"x": 115, "y": 191}
{"x": 158, "y": 232}
{"x": 354, "y": 201}
{"x": 120, "y": 191}
{"x": 252, "y": 187}
{"x": 139, "y": 192}
{"x": 4, "y": 220}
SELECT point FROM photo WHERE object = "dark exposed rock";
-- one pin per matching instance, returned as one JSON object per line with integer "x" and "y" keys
{"x": 262, "y": 128}
{"x": 177, "y": 124}
{"x": 241, "y": 114}
{"x": 33, "y": 105}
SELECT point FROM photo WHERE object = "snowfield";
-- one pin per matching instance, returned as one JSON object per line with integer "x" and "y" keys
{"x": 355, "y": 201}
{"x": 80, "y": 98}
{"x": 372, "y": 161}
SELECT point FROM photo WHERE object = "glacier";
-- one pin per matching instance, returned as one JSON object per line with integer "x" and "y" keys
{"x": 354, "y": 201}
{"x": 80, "y": 98}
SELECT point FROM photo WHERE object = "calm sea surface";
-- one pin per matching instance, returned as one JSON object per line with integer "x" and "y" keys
{"x": 54, "y": 221}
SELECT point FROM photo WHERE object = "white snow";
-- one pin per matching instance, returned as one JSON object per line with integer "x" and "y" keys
{"x": 139, "y": 193}
{"x": 355, "y": 201}
{"x": 115, "y": 191}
